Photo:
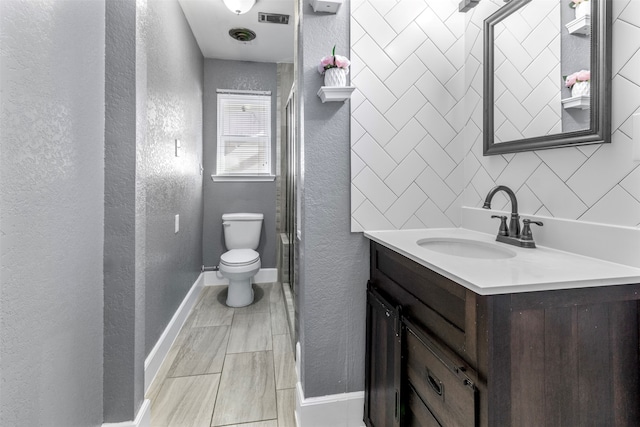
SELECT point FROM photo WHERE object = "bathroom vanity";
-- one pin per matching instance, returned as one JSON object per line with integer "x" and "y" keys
{"x": 539, "y": 338}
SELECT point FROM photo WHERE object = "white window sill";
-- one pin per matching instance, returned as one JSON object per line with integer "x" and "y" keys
{"x": 242, "y": 178}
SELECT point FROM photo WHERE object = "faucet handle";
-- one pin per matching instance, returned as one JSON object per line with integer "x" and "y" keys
{"x": 504, "y": 230}
{"x": 526, "y": 229}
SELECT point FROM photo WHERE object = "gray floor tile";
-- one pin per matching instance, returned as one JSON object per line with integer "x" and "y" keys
{"x": 186, "y": 401}
{"x": 269, "y": 423}
{"x": 250, "y": 332}
{"x": 286, "y": 408}
{"x": 211, "y": 309}
{"x": 247, "y": 389}
{"x": 276, "y": 293}
{"x": 202, "y": 352}
{"x": 261, "y": 297}
{"x": 283, "y": 361}
{"x": 279, "y": 324}
{"x": 156, "y": 385}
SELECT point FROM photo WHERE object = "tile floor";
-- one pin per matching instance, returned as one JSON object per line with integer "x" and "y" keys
{"x": 229, "y": 367}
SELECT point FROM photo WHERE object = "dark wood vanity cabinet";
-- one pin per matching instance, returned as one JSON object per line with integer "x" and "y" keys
{"x": 438, "y": 354}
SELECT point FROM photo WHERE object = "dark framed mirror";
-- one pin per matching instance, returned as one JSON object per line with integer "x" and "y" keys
{"x": 534, "y": 49}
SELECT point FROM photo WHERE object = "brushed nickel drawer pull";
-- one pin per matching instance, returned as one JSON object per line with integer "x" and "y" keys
{"x": 435, "y": 384}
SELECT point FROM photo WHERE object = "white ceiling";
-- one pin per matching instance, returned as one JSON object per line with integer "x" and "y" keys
{"x": 211, "y": 21}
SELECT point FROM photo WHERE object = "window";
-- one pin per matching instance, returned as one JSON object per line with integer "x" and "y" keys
{"x": 244, "y": 135}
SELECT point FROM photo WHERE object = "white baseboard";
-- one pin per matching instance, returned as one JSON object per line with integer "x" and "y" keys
{"x": 265, "y": 275}
{"x": 336, "y": 410}
{"x": 143, "y": 418}
{"x": 159, "y": 352}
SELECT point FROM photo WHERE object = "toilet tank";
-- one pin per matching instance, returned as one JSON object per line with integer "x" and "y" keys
{"x": 242, "y": 230}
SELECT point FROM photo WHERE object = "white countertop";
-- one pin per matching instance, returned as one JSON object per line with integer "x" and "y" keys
{"x": 539, "y": 269}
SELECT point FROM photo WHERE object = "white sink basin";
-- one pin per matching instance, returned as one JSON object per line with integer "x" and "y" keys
{"x": 466, "y": 248}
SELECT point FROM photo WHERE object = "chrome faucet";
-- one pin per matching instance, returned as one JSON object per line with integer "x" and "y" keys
{"x": 511, "y": 234}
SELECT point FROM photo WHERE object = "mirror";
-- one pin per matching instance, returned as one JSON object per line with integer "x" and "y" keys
{"x": 533, "y": 50}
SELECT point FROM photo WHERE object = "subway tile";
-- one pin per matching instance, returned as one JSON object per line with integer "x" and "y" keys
{"x": 374, "y": 156}
{"x": 631, "y": 183}
{"x": 374, "y": 122}
{"x": 374, "y": 90}
{"x": 628, "y": 37}
{"x": 405, "y": 43}
{"x": 432, "y": 217}
{"x": 435, "y": 156}
{"x": 604, "y": 169}
{"x": 374, "y": 24}
{"x": 435, "y": 29}
{"x": 403, "y": 13}
{"x": 370, "y": 53}
{"x": 405, "y": 108}
{"x": 408, "y": 202}
{"x": 405, "y": 173}
{"x": 434, "y": 187}
{"x": 370, "y": 218}
{"x": 556, "y": 196}
{"x": 563, "y": 162}
{"x": 405, "y": 76}
{"x": 616, "y": 207}
{"x": 405, "y": 140}
{"x": 374, "y": 189}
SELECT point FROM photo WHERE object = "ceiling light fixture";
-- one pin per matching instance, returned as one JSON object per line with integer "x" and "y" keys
{"x": 239, "y": 6}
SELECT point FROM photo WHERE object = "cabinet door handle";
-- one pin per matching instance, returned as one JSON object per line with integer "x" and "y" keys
{"x": 397, "y": 415}
{"x": 435, "y": 384}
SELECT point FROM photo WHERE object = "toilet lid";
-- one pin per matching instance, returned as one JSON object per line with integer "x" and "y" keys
{"x": 239, "y": 257}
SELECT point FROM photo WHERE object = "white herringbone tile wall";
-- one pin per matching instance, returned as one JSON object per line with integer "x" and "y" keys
{"x": 596, "y": 183}
{"x": 528, "y": 78}
{"x": 407, "y": 114}
{"x": 416, "y": 127}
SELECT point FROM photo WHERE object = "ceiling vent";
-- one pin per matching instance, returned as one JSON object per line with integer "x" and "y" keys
{"x": 242, "y": 34}
{"x": 273, "y": 18}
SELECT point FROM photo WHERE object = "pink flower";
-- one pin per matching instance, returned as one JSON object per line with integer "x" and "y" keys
{"x": 583, "y": 75}
{"x": 327, "y": 60}
{"x": 342, "y": 62}
{"x": 570, "y": 80}
{"x": 333, "y": 61}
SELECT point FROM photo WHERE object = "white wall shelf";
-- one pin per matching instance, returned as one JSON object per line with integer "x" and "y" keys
{"x": 580, "y": 25}
{"x": 325, "y": 6}
{"x": 582, "y": 102}
{"x": 335, "y": 93}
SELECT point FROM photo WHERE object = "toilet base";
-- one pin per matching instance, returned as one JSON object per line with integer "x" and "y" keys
{"x": 240, "y": 293}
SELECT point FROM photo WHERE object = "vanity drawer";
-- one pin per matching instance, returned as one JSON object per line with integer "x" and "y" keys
{"x": 441, "y": 380}
{"x": 418, "y": 415}
{"x": 444, "y": 308}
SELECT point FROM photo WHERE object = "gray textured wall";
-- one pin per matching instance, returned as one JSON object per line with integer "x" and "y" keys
{"x": 124, "y": 214}
{"x": 173, "y": 185}
{"x": 51, "y": 212}
{"x": 222, "y": 197}
{"x": 334, "y": 264}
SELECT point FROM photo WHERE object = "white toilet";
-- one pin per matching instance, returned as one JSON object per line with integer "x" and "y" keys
{"x": 241, "y": 262}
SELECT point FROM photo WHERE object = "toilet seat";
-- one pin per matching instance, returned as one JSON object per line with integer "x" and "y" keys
{"x": 239, "y": 257}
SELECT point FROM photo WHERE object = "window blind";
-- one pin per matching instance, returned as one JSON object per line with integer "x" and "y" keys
{"x": 244, "y": 134}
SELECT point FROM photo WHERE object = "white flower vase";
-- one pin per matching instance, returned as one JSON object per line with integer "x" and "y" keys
{"x": 583, "y": 9}
{"x": 581, "y": 89}
{"x": 335, "y": 77}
